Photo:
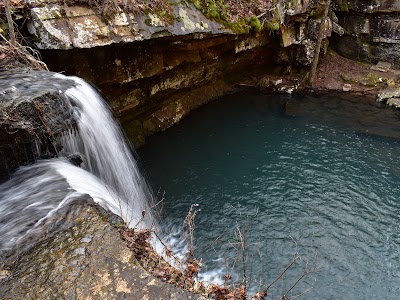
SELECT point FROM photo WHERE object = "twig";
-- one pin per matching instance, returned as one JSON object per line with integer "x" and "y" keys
{"x": 189, "y": 222}
{"x": 301, "y": 294}
{"x": 265, "y": 12}
{"x": 264, "y": 293}
{"x": 20, "y": 52}
{"x": 242, "y": 236}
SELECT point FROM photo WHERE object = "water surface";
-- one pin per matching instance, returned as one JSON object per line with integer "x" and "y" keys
{"x": 323, "y": 174}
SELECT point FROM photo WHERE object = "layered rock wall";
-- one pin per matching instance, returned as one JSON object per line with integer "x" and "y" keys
{"x": 152, "y": 84}
{"x": 156, "y": 66}
{"x": 58, "y": 26}
{"x": 372, "y": 30}
{"x": 155, "y": 69}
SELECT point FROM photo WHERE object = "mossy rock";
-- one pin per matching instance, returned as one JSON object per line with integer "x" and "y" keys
{"x": 216, "y": 11}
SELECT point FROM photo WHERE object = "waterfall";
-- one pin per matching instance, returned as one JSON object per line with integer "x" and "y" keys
{"x": 109, "y": 173}
{"x": 105, "y": 153}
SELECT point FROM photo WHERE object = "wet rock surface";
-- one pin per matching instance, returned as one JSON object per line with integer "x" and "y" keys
{"x": 85, "y": 260}
{"x": 32, "y": 115}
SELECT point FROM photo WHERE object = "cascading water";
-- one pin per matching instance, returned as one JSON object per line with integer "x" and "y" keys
{"x": 106, "y": 154}
{"x": 109, "y": 172}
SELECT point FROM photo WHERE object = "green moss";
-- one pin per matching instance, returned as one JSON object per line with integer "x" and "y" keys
{"x": 198, "y": 4}
{"x": 213, "y": 11}
{"x": 373, "y": 80}
{"x": 4, "y": 28}
{"x": 343, "y": 5}
{"x": 272, "y": 25}
{"x": 256, "y": 24}
{"x": 348, "y": 79}
{"x": 216, "y": 10}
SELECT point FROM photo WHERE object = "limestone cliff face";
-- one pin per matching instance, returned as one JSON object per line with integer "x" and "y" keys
{"x": 58, "y": 26}
{"x": 372, "y": 30}
{"x": 155, "y": 67}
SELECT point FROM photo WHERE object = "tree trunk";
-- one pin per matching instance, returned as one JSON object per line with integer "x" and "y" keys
{"x": 319, "y": 42}
{"x": 10, "y": 22}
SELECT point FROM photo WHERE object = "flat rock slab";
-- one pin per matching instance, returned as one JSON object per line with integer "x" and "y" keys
{"x": 57, "y": 26}
{"x": 86, "y": 261}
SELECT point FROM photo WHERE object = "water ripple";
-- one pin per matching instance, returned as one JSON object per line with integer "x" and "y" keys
{"x": 321, "y": 187}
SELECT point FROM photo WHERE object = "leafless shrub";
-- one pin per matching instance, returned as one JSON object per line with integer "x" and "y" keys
{"x": 188, "y": 224}
{"x": 242, "y": 264}
{"x": 138, "y": 240}
{"x": 186, "y": 276}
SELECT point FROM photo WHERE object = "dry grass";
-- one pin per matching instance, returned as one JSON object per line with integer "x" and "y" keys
{"x": 138, "y": 240}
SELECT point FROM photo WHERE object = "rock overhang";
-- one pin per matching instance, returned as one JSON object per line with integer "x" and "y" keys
{"x": 58, "y": 26}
